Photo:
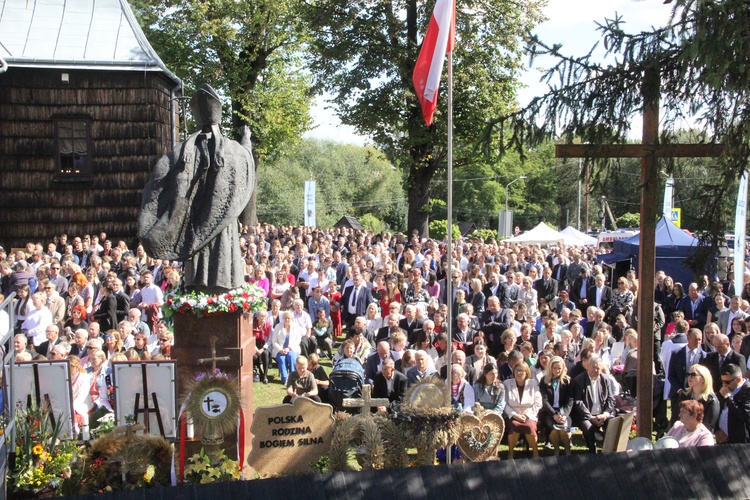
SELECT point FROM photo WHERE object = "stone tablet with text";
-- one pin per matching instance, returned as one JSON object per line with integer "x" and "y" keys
{"x": 288, "y": 438}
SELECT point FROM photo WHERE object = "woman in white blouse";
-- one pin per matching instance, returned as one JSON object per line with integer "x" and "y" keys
{"x": 522, "y": 404}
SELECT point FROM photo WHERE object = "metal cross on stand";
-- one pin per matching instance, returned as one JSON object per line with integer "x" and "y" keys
{"x": 213, "y": 359}
{"x": 366, "y": 402}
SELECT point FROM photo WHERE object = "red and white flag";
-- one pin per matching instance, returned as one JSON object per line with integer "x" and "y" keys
{"x": 439, "y": 40}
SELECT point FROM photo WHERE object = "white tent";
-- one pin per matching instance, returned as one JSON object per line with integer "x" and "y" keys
{"x": 541, "y": 235}
{"x": 575, "y": 237}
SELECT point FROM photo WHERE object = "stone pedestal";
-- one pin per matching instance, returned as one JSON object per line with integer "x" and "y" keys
{"x": 192, "y": 341}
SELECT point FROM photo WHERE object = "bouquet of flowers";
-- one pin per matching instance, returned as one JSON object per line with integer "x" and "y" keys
{"x": 247, "y": 298}
{"x": 202, "y": 469}
{"x": 43, "y": 461}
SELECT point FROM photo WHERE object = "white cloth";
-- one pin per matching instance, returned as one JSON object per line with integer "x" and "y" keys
{"x": 36, "y": 324}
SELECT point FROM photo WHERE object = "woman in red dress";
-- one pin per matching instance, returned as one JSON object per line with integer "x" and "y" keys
{"x": 391, "y": 294}
{"x": 334, "y": 297}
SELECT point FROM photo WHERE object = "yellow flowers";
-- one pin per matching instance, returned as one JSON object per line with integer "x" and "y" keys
{"x": 149, "y": 475}
{"x": 38, "y": 450}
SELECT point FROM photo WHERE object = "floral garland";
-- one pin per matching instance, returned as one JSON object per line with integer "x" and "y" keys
{"x": 247, "y": 298}
{"x": 479, "y": 446}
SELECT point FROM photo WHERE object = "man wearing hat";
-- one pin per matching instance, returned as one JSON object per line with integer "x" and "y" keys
{"x": 561, "y": 302}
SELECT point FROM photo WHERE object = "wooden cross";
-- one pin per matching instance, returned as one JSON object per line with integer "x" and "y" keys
{"x": 127, "y": 430}
{"x": 649, "y": 152}
{"x": 213, "y": 359}
{"x": 366, "y": 402}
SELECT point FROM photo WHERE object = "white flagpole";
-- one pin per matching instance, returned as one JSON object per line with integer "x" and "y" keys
{"x": 740, "y": 221}
{"x": 449, "y": 276}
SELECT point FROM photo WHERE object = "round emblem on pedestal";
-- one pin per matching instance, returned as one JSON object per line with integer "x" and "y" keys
{"x": 214, "y": 404}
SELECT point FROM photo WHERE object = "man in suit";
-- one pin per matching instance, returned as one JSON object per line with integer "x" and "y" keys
{"x": 410, "y": 323}
{"x": 679, "y": 366}
{"x": 457, "y": 284}
{"x": 734, "y": 418}
{"x": 385, "y": 333}
{"x": 579, "y": 289}
{"x": 459, "y": 358}
{"x": 463, "y": 333}
{"x": 695, "y": 308}
{"x": 495, "y": 320}
{"x": 677, "y": 342}
{"x": 122, "y": 299}
{"x": 593, "y": 326}
{"x": 421, "y": 370}
{"x": 374, "y": 362}
{"x": 546, "y": 287}
{"x": 593, "y": 401}
{"x": 575, "y": 267}
{"x": 496, "y": 287}
{"x": 61, "y": 284}
{"x": 599, "y": 294}
{"x": 723, "y": 356}
{"x": 560, "y": 273}
{"x": 725, "y": 317}
{"x": 53, "y": 338}
{"x": 355, "y": 300}
{"x": 390, "y": 384}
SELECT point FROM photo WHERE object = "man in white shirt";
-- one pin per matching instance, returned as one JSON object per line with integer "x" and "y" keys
{"x": 150, "y": 296}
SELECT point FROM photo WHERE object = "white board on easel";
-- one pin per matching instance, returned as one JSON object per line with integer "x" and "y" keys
{"x": 128, "y": 380}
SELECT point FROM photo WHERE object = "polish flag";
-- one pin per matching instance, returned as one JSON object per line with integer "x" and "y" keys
{"x": 439, "y": 39}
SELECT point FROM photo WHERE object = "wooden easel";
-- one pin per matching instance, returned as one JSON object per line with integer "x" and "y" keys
{"x": 146, "y": 410}
{"x": 38, "y": 396}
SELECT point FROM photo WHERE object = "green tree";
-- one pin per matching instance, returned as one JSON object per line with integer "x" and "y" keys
{"x": 350, "y": 180}
{"x": 249, "y": 51}
{"x": 629, "y": 220}
{"x": 703, "y": 63}
{"x": 364, "y": 54}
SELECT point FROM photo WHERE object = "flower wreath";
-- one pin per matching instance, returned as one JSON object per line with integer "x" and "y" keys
{"x": 247, "y": 298}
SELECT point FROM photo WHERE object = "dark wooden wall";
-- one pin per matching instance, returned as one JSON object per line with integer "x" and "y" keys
{"x": 130, "y": 130}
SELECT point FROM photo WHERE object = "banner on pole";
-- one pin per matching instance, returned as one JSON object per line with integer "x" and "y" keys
{"x": 668, "y": 194}
{"x": 739, "y": 234}
{"x": 310, "y": 203}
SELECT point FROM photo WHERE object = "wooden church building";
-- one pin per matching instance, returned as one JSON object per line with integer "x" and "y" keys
{"x": 86, "y": 109}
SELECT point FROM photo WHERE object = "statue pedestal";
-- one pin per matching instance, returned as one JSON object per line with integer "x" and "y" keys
{"x": 235, "y": 339}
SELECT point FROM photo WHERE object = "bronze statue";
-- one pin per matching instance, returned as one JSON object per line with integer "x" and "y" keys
{"x": 195, "y": 198}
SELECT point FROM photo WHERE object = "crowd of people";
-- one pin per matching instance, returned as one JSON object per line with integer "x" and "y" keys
{"x": 538, "y": 335}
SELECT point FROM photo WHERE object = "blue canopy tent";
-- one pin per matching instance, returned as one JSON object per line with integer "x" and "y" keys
{"x": 673, "y": 247}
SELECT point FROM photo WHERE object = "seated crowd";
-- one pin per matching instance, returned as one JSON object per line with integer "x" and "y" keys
{"x": 537, "y": 335}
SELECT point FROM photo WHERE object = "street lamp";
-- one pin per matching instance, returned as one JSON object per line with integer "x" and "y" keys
{"x": 506, "y": 190}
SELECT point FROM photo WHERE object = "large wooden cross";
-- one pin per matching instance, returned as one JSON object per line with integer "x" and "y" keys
{"x": 367, "y": 402}
{"x": 649, "y": 152}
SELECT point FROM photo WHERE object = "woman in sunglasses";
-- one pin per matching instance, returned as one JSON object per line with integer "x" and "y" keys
{"x": 700, "y": 388}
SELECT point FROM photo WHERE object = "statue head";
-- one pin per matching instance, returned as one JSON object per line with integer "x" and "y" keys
{"x": 206, "y": 106}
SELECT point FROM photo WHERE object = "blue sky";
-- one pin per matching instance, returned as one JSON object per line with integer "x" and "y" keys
{"x": 570, "y": 22}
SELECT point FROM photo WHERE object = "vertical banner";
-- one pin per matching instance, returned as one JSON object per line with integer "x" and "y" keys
{"x": 739, "y": 235}
{"x": 668, "y": 194}
{"x": 309, "y": 203}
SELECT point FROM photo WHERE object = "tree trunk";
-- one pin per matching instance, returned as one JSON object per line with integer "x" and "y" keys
{"x": 418, "y": 195}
